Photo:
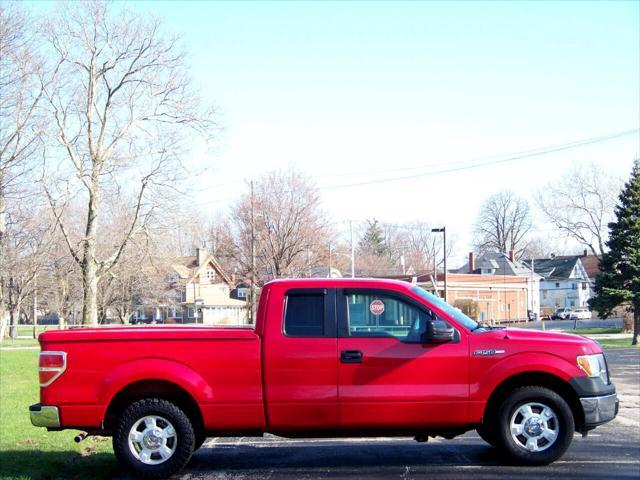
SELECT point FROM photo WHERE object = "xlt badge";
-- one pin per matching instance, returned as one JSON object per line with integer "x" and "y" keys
{"x": 485, "y": 353}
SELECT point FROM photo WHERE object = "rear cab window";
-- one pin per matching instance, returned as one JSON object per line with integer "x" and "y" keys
{"x": 309, "y": 313}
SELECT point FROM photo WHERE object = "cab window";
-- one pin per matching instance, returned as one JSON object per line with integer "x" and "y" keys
{"x": 371, "y": 314}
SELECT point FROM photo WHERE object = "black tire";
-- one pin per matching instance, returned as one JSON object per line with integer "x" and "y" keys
{"x": 166, "y": 415}
{"x": 562, "y": 423}
{"x": 200, "y": 439}
{"x": 487, "y": 433}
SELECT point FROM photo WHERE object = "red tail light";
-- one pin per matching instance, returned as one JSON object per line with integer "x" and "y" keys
{"x": 50, "y": 366}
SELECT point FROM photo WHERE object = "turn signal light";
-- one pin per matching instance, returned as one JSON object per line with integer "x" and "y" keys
{"x": 50, "y": 366}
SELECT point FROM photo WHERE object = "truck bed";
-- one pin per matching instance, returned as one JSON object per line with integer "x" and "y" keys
{"x": 220, "y": 368}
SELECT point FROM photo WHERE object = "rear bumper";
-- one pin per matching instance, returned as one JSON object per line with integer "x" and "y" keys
{"x": 599, "y": 410}
{"x": 44, "y": 416}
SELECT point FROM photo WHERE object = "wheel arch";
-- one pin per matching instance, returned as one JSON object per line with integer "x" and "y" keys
{"x": 540, "y": 379}
{"x": 152, "y": 388}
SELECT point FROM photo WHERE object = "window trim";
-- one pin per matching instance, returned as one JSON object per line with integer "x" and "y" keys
{"x": 343, "y": 311}
{"x": 329, "y": 310}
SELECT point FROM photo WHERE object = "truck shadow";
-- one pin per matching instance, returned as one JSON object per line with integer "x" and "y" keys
{"x": 283, "y": 456}
{"x": 38, "y": 464}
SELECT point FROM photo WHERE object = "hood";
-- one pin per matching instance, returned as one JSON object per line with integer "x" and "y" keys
{"x": 545, "y": 341}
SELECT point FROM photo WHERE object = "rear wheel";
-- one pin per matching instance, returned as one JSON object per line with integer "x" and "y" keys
{"x": 535, "y": 426}
{"x": 487, "y": 433}
{"x": 154, "y": 438}
{"x": 200, "y": 439}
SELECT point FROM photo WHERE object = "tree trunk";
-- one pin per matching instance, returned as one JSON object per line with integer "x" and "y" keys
{"x": 89, "y": 265}
{"x": 636, "y": 324}
{"x": 90, "y": 294}
{"x": 3, "y": 227}
{"x": 14, "y": 317}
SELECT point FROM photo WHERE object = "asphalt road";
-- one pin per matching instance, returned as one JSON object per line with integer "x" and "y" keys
{"x": 610, "y": 451}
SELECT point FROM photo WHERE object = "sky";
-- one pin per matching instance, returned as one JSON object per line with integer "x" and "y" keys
{"x": 350, "y": 92}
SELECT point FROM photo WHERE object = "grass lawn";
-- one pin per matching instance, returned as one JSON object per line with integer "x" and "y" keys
{"x": 28, "y": 452}
{"x": 19, "y": 342}
{"x": 593, "y": 331}
{"x": 26, "y": 331}
{"x": 616, "y": 343}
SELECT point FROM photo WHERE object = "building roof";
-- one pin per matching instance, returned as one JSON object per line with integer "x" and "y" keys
{"x": 591, "y": 264}
{"x": 187, "y": 267}
{"x": 560, "y": 267}
{"x": 500, "y": 263}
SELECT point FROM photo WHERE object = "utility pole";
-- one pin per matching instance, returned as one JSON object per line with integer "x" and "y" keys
{"x": 35, "y": 306}
{"x": 444, "y": 248}
{"x": 195, "y": 306}
{"x": 253, "y": 261}
{"x": 353, "y": 251}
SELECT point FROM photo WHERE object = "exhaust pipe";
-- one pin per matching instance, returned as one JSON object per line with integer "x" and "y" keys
{"x": 80, "y": 437}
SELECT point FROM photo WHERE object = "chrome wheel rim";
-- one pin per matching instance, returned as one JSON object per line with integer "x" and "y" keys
{"x": 534, "y": 427}
{"x": 153, "y": 440}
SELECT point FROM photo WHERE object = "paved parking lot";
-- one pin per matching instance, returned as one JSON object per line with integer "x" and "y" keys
{"x": 611, "y": 451}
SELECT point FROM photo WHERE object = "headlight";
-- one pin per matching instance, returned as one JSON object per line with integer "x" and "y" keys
{"x": 594, "y": 366}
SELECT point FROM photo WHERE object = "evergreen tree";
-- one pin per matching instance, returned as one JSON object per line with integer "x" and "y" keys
{"x": 373, "y": 241}
{"x": 619, "y": 280}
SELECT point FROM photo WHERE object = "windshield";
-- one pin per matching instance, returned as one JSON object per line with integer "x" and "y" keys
{"x": 442, "y": 305}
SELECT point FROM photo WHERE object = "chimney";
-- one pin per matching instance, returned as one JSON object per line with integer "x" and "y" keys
{"x": 201, "y": 255}
{"x": 585, "y": 253}
{"x": 512, "y": 256}
{"x": 472, "y": 263}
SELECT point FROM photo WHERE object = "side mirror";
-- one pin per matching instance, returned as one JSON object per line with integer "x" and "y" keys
{"x": 438, "y": 332}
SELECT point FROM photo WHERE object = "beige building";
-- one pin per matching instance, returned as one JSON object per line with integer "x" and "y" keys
{"x": 497, "y": 299}
{"x": 201, "y": 290}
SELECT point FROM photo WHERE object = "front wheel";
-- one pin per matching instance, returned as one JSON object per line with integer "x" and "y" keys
{"x": 535, "y": 426}
{"x": 154, "y": 438}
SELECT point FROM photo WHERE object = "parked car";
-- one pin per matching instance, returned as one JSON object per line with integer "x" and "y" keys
{"x": 580, "y": 314}
{"x": 561, "y": 313}
{"x": 328, "y": 357}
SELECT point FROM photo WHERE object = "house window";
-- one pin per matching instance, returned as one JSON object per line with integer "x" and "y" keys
{"x": 211, "y": 275}
{"x": 557, "y": 284}
{"x": 573, "y": 304}
{"x": 574, "y": 286}
{"x": 190, "y": 313}
{"x": 544, "y": 294}
{"x": 584, "y": 285}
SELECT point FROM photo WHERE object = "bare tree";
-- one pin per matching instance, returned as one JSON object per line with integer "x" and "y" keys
{"x": 423, "y": 248}
{"x": 581, "y": 204}
{"x": 20, "y": 95}
{"x": 26, "y": 249}
{"x": 289, "y": 227}
{"x": 503, "y": 224}
{"x": 123, "y": 112}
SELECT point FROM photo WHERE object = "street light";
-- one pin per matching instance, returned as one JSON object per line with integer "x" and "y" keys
{"x": 444, "y": 248}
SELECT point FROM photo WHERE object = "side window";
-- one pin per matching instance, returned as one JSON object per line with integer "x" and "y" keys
{"x": 304, "y": 315}
{"x": 374, "y": 315}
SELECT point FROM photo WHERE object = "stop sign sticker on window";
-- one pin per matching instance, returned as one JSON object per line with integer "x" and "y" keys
{"x": 376, "y": 307}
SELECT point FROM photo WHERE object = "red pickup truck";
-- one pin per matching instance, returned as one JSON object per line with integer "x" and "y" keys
{"x": 327, "y": 358}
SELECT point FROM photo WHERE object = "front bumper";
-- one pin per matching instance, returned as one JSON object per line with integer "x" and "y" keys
{"x": 599, "y": 410}
{"x": 44, "y": 416}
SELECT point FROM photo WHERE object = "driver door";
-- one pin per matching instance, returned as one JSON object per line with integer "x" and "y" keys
{"x": 387, "y": 376}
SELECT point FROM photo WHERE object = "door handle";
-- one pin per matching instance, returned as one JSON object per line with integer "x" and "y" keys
{"x": 351, "y": 356}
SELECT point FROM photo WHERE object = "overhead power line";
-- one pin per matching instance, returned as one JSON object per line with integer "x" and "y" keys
{"x": 482, "y": 161}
